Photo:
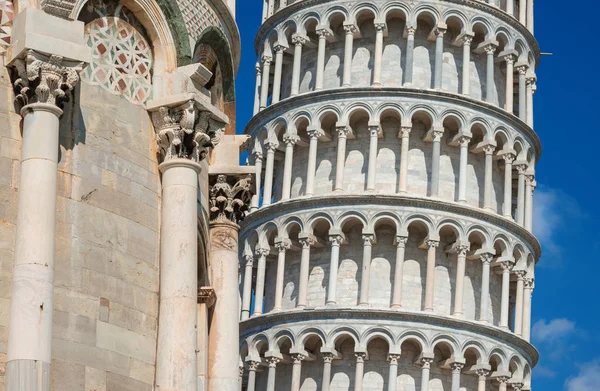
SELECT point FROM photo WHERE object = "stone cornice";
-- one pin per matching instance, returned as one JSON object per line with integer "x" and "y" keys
{"x": 282, "y": 207}
{"x": 259, "y": 323}
{"x": 361, "y": 93}
{"x": 282, "y": 15}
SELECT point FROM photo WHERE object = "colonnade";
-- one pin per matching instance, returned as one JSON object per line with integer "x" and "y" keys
{"x": 524, "y": 284}
{"x": 525, "y": 176}
{"x": 526, "y": 77}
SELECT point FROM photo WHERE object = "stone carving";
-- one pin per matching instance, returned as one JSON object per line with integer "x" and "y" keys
{"x": 230, "y": 202}
{"x": 223, "y": 238}
{"x": 6, "y": 17}
{"x": 185, "y": 132}
{"x": 207, "y": 295}
{"x": 39, "y": 78}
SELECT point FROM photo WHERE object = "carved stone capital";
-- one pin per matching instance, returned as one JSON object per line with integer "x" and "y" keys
{"x": 401, "y": 241}
{"x": 207, "y": 295}
{"x": 253, "y": 365}
{"x": 298, "y": 358}
{"x": 482, "y": 372}
{"x": 290, "y": 139}
{"x": 327, "y": 358}
{"x": 41, "y": 78}
{"x": 273, "y": 361}
{"x": 230, "y": 198}
{"x": 462, "y": 249}
{"x": 299, "y": 40}
{"x": 380, "y": 27}
{"x": 283, "y": 246}
{"x": 360, "y": 357}
{"x": 426, "y": 362}
{"x": 393, "y": 359}
{"x": 336, "y": 240}
{"x": 433, "y": 243}
{"x": 457, "y": 366}
{"x": 350, "y": 29}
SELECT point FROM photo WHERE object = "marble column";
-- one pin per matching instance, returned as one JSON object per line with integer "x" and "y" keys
{"x": 223, "y": 351}
{"x": 489, "y": 85}
{"x": 282, "y": 246}
{"x": 306, "y": 243}
{"x": 359, "y": 371}
{"x": 336, "y": 241}
{"x": 366, "y": 269}
{"x": 523, "y": 12}
{"x": 271, "y": 376}
{"x": 290, "y": 141}
{"x": 509, "y": 158}
{"x": 298, "y": 42}
{"x": 402, "y": 180}
{"x": 430, "y": 277}
{"x": 435, "y": 163}
{"x": 528, "y": 292}
{"x": 510, "y": 7}
{"x": 439, "y": 57}
{"x": 486, "y": 259}
{"x": 327, "y": 360}
{"x": 410, "y": 50}
{"x": 322, "y": 33}
{"x": 252, "y": 367}
{"x": 296, "y": 371}
{"x": 530, "y": 18}
{"x": 241, "y": 379}
{"x": 462, "y": 175}
{"x": 313, "y": 135}
{"x": 399, "y": 271}
{"x": 482, "y": 375}
{"x": 379, "y": 28}
{"x": 264, "y": 92}
{"x": 42, "y": 83}
{"x": 271, "y": 147}
{"x": 258, "y": 163}
{"x": 516, "y": 386}
{"x": 502, "y": 383}
{"x": 456, "y": 368}
{"x": 529, "y": 187}
{"x": 466, "y": 71}
{"x": 522, "y": 69}
{"x": 425, "y": 369}
{"x": 372, "y": 165}
{"x": 518, "y": 329}
{"x": 258, "y": 88}
{"x": 529, "y": 82}
{"x": 393, "y": 372}
{"x": 349, "y": 30}
{"x": 510, "y": 60}
{"x": 461, "y": 253}
{"x": 279, "y": 49}
{"x": 342, "y": 133}
{"x": 261, "y": 254}
{"x": 488, "y": 184}
{"x": 504, "y": 305}
{"x": 521, "y": 168}
{"x": 247, "y": 289}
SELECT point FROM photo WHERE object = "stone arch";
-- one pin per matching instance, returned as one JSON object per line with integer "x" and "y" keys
{"x": 480, "y": 24}
{"x": 389, "y": 109}
{"x": 481, "y": 125}
{"x": 307, "y": 19}
{"x": 318, "y": 220}
{"x": 425, "y": 114}
{"x": 419, "y": 219}
{"x": 260, "y": 343}
{"x": 334, "y": 13}
{"x": 457, "y": 116}
{"x": 355, "y": 108}
{"x": 502, "y": 138}
{"x": 291, "y": 224}
{"x": 502, "y": 245}
{"x": 377, "y": 332}
{"x": 475, "y": 346}
{"x": 480, "y": 234}
{"x": 445, "y": 342}
{"x": 414, "y": 336}
{"x": 453, "y": 15}
{"x": 395, "y": 7}
{"x": 342, "y": 332}
{"x": 426, "y": 11}
{"x": 280, "y": 337}
{"x": 497, "y": 359}
{"x": 267, "y": 232}
{"x": 305, "y": 334}
{"x": 453, "y": 225}
{"x": 363, "y": 8}
{"x": 382, "y": 218}
{"x": 515, "y": 367}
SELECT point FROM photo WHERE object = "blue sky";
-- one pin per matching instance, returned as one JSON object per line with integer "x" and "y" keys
{"x": 566, "y": 313}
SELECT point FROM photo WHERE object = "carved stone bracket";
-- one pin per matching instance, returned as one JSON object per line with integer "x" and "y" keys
{"x": 230, "y": 197}
{"x": 207, "y": 295}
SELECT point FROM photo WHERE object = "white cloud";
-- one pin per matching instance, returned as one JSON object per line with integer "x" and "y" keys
{"x": 588, "y": 378}
{"x": 553, "y": 330}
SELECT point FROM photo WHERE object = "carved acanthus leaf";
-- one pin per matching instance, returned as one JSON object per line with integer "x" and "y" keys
{"x": 230, "y": 202}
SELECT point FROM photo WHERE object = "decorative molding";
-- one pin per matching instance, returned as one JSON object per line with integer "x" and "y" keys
{"x": 230, "y": 198}
{"x": 207, "y": 295}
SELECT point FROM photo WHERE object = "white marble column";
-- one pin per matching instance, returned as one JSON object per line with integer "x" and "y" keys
{"x": 279, "y": 49}
{"x": 489, "y": 90}
{"x": 258, "y": 88}
{"x": 482, "y": 375}
{"x": 282, "y": 245}
{"x": 509, "y": 158}
{"x": 326, "y": 380}
{"x": 372, "y": 164}
{"x": 528, "y": 292}
{"x": 379, "y": 28}
{"x": 264, "y": 92}
{"x": 516, "y": 386}
{"x": 435, "y": 163}
{"x": 502, "y": 383}
{"x": 509, "y": 101}
{"x": 271, "y": 376}
{"x": 529, "y": 82}
{"x": 258, "y": 163}
{"x": 402, "y": 180}
{"x": 271, "y": 147}
{"x": 466, "y": 71}
{"x": 518, "y": 329}
{"x": 342, "y": 133}
{"x": 523, "y": 12}
{"x": 261, "y": 254}
{"x": 530, "y": 18}
{"x": 488, "y": 184}
{"x": 521, "y": 168}
{"x": 529, "y": 188}
{"x": 430, "y": 277}
{"x": 461, "y": 254}
{"x": 322, "y": 33}
{"x": 486, "y": 259}
{"x": 462, "y": 175}
{"x": 290, "y": 141}
{"x": 425, "y": 369}
{"x": 506, "y": 266}
{"x": 241, "y": 378}
{"x": 247, "y": 289}
{"x": 311, "y": 167}
{"x": 252, "y": 367}
{"x": 393, "y": 372}
{"x": 336, "y": 242}
{"x": 456, "y": 369}
{"x": 510, "y": 7}
{"x": 360, "y": 370}
{"x": 439, "y": 57}
{"x": 410, "y": 50}
{"x": 31, "y": 305}
{"x": 366, "y": 269}
{"x": 298, "y": 42}
{"x": 306, "y": 243}
{"x": 522, "y": 69}
{"x": 399, "y": 271}
{"x": 296, "y": 371}
{"x": 349, "y": 30}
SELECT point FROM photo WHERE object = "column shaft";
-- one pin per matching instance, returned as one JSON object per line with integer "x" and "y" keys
{"x": 488, "y": 184}
{"x": 508, "y": 160}
{"x": 282, "y": 248}
{"x": 312, "y": 162}
{"x": 264, "y": 93}
{"x": 466, "y": 72}
{"x": 260, "y": 281}
{"x": 505, "y": 295}
{"x": 402, "y": 180}
{"x": 523, "y": 12}
{"x": 304, "y": 273}
{"x": 521, "y": 195}
{"x": 326, "y": 373}
{"x": 247, "y": 293}
{"x": 527, "y": 309}
{"x": 399, "y": 271}
{"x": 341, "y": 159}
{"x": 509, "y": 104}
{"x": 456, "y": 377}
{"x": 349, "y": 42}
{"x": 460, "y": 280}
{"x": 268, "y": 188}
{"x": 485, "y": 288}
{"x": 296, "y": 372}
{"x": 393, "y": 373}
{"x": 277, "y": 77}
{"x": 430, "y": 278}
{"x": 529, "y": 203}
{"x": 366, "y": 270}
{"x": 258, "y": 161}
{"x": 462, "y": 176}
{"x": 258, "y": 89}
{"x": 425, "y": 376}
{"x": 410, "y": 49}
{"x": 336, "y": 241}
{"x": 379, "y": 27}
{"x": 435, "y": 164}
{"x": 529, "y": 93}
{"x": 518, "y": 328}
{"x": 439, "y": 54}
{"x": 489, "y": 94}
{"x": 290, "y": 141}
{"x": 359, "y": 374}
{"x": 321, "y": 58}
{"x": 298, "y": 42}
{"x": 271, "y": 376}
{"x": 372, "y": 165}
{"x": 530, "y": 18}
{"x": 252, "y": 377}
{"x": 522, "y": 93}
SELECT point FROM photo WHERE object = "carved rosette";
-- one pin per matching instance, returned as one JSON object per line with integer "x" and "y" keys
{"x": 230, "y": 198}
{"x": 40, "y": 78}
{"x": 185, "y": 132}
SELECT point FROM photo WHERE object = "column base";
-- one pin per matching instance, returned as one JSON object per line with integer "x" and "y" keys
{"x": 27, "y": 375}
{"x": 458, "y": 315}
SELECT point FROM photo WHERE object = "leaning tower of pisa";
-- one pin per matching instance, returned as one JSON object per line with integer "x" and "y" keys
{"x": 389, "y": 245}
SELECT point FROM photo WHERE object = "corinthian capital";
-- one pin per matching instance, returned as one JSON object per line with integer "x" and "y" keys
{"x": 185, "y": 131}
{"x": 229, "y": 198}
{"x": 41, "y": 78}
